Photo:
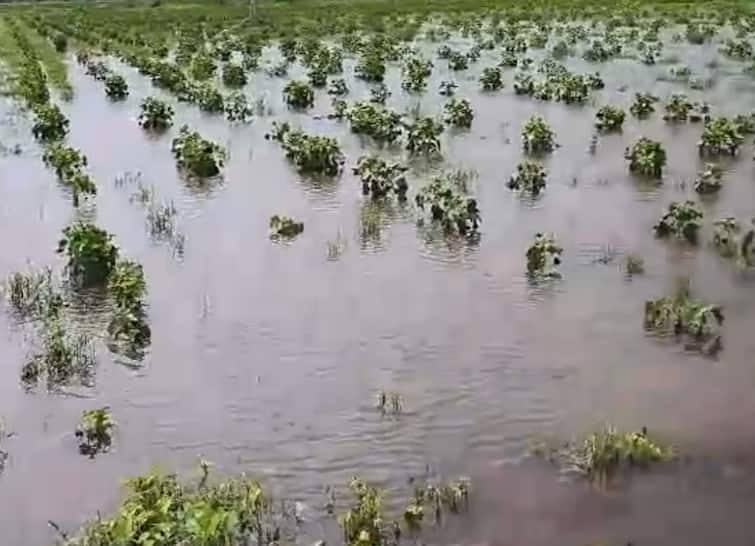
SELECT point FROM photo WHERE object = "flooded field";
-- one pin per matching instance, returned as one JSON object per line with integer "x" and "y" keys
{"x": 266, "y": 357}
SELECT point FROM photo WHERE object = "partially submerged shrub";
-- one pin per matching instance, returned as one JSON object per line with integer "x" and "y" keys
{"x": 91, "y": 253}
{"x": 529, "y": 177}
{"x": 234, "y": 75}
{"x": 422, "y": 136}
{"x": 544, "y": 256}
{"x": 681, "y": 220}
{"x": 683, "y": 314}
{"x": 299, "y": 94}
{"x": 491, "y": 80}
{"x": 284, "y": 227}
{"x": 95, "y": 431}
{"x": 198, "y": 156}
{"x": 677, "y": 109}
{"x": 237, "y": 108}
{"x": 738, "y": 49}
{"x": 208, "y": 98}
{"x": 310, "y": 154}
{"x": 458, "y": 112}
{"x": 720, "y": 136}
{"x": 537, "y": 135}
{"x": 458, "y": 61}
{"x": 732, "y": 243}
{"x": 709, "y": 179}
{"x": 116, "y": 87}
{"x": 382, "y": 124}
{"x": 156, "y": 115}
{"x": 50, "y": 125}
{"x": 601, "y": 455}
{"x": 415, "y": 74}
{"x": 643, "y": 105}
{"x": 609, "y": 118}
{"x": 370, "y": 67}
{"x": 646, "y": 157}
{"x": 449, "y": 205}
{"x": 69, "y": 164}
{"x": 380, "y": 178}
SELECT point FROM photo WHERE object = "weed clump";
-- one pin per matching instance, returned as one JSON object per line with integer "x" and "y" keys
{"x": 95, "y": 431}
{"x": 284, "y": 227}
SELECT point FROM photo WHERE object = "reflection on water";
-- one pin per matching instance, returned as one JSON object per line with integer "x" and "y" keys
{"x": 266, "y": 358}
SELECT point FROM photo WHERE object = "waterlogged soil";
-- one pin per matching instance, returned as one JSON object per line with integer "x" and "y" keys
{"x": 266, "y": 358}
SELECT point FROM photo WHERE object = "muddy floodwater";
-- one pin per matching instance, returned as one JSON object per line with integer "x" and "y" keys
{"x": 266, "y": 358}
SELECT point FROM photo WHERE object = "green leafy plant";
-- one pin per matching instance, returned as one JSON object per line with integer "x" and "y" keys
{"x": 69, "y": 164}
{"x": 544, "y": 256}
{"x": 423, "y": 136}
{"x": 234, "y": 75}
{"x": 284, "y": 227}
{"x": 682, "y": 314}
{"x": 677, "y": 109}
{"x": 490, "y": 79}
{"x": 738, "y": 49}
{"x": 91, "y": 253}
{"x": 364, "y": 523}
{"x": 158, "y": 510}
{"x": 298, "y": 94}
{"x": 202, "y": 67}
{"x": 458, "y": 61}
{"x": 604, "y": 453}
{"x": 382, "y": 124}
{"x": 310, "y": 154}
{"x": 458, "y": 112}
{"x": 208, "y": 98}
{"x": 156, "y": 115}
{"x": 446, "y": 199}
{"x": 681, "y": 220}
{"x": 380, "y": 178}
{"x": 609, "y": 118}
{"x": 529, "y": 177}
{"x": 95, "y": 431}
{"x": 731, "y": 242}
{"x": 415, "y": 74}
{"x": 371, "y": 67}
{"x": 116, "y": 87}
{"x": 709, "y": 179}
{"x": 237, "y": 108}
{"x": 643, "y": 105}
{"x": 720, "y": 136}
{"x": 50, "y": 125}
{"x": 198, "y": 156}
{"x": 537, "y": 135}
{"x": 646, "y": 157}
